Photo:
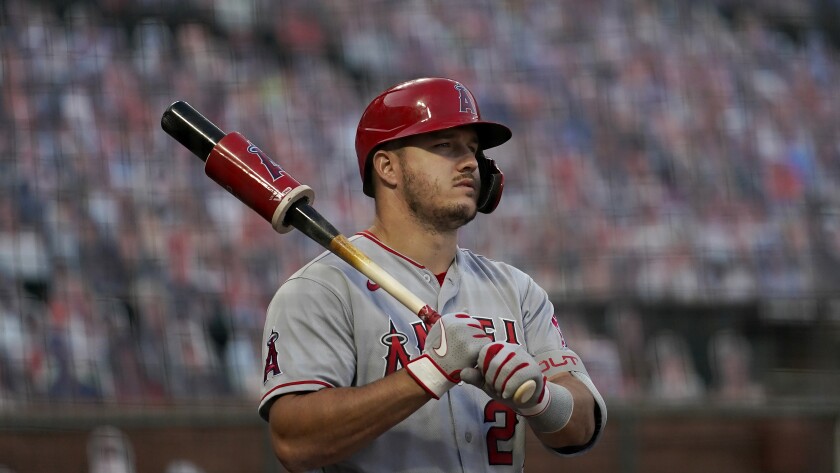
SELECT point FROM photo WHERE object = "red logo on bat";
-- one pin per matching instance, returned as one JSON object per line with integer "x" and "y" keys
{"x": 274, "y": 169}
{"x": 372, "y": 286}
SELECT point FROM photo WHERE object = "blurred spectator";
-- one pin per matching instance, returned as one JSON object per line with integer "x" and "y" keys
{"x": 153, "y": 310}
{"x": 8, "y": 394}
{"x": 23, "y": 254}
{"x": 77, "y": 341}
{"x": 109, "y": 450}
{"x": 731, "y": 359}
{"x": 626, "y": 327}
{"x": 12, "y": 348}
{"x": 674, "y": 376}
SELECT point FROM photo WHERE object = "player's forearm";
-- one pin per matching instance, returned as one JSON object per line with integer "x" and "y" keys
{"x": 321, "y": 428}
{"x": 581, "y": 425}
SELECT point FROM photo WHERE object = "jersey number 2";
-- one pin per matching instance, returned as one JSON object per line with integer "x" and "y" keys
{"x": 504, "y": 427}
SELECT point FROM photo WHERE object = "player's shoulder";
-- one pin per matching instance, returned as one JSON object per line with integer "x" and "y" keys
{"x": 469, "y": 260}
{"x": 326, "y": 266}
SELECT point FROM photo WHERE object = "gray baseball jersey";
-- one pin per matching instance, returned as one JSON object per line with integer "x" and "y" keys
{"x": 329, "y": 326}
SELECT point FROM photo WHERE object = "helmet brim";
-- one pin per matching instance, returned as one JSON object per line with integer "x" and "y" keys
{"x": 490, "y": 134}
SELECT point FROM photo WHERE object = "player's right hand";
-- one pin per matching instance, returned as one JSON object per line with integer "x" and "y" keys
{"x": 452, "y": 344}
{"x": 502, "y": 369}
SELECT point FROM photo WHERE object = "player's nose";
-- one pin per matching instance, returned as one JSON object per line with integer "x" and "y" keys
{"x": 467, "y": 161}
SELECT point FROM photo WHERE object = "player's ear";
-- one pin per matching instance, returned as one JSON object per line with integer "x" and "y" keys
{"x": 384, "y": 167}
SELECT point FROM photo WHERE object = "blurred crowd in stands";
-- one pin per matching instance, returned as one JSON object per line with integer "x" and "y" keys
{"x": 661, "y": 152}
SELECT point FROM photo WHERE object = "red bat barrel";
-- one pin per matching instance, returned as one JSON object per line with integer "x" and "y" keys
{"x": 237, "y": 164}
{"x": 243, "y": 169}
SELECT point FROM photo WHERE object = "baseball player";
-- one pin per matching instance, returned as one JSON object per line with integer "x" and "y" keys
{"x": 354, "y": 381}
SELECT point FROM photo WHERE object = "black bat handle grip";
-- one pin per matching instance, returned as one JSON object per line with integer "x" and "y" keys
{"x": 191, "y": 129}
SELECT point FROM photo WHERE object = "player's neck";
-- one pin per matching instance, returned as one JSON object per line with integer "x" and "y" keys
{"x": 433, "y": 249}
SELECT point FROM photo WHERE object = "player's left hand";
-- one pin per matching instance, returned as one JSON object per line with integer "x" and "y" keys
{"x": 502, "y": 369}
{"x": 452, "y": 344}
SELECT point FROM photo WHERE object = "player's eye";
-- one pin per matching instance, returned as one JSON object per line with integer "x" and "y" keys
{"x": 444, "y": 144}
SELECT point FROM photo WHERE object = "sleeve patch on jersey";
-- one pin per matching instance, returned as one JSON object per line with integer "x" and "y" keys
{"x": 559, "y": 332}
{"x": 272, "y": 368}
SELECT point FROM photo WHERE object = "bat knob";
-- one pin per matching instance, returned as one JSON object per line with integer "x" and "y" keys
{"x": 525, "y": 392}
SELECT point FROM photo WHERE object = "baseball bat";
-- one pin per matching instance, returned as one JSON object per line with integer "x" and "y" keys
{"x": 250, "y": 175}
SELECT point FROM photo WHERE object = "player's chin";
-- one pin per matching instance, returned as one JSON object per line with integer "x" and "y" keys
{"x": 464, "y": 211}
{"x": 465, "y": 199}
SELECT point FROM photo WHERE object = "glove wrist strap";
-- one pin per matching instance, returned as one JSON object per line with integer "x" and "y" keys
{"x": 430, "y": 376}
{"x": 553, "y": 410}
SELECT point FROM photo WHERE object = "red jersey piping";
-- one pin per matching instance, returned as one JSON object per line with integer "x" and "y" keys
{"x": 275, "y": 388}
{"x": 385, "y": 247}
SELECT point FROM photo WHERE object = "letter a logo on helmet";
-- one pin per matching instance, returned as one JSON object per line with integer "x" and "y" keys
{"x": 467, "y": 105}
{"x": 423, "y": 106}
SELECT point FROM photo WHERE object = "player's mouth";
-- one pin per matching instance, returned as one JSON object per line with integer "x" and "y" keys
{"x": 465, "y": 182}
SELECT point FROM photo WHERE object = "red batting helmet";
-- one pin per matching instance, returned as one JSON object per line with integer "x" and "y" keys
{"x": 425, "y": 105}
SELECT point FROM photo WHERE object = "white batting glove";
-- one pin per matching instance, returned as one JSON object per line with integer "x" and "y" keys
{"x": 452, "y": 344}
{"x": 503, "y": 368}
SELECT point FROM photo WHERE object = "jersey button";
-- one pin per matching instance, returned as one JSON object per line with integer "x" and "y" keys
{"x": 468, "y": 436}
{"x": 427, "y": 277}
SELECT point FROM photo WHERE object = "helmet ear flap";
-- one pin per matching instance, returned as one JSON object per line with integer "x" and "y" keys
{"x": 492, "y": 184}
